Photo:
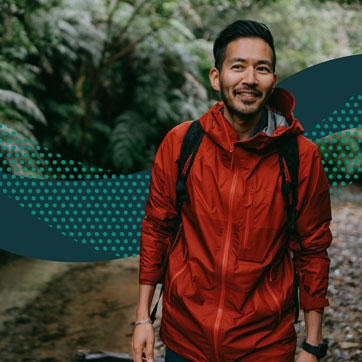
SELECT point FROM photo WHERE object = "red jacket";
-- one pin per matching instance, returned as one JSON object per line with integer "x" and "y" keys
{"x": 228, "y": 290}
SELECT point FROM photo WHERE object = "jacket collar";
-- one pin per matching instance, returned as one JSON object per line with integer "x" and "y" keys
{"x": 280, "y": 107}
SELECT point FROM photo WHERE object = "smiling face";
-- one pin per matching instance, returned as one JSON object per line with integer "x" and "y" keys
{"x": 246, "y": 79}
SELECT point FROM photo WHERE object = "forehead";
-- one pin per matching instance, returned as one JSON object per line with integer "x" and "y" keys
{"x": 249, "y": 48}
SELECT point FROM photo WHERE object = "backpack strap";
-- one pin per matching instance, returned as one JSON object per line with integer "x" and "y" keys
{"x": 289, "y": 152}
{"x": 189, "y": 147}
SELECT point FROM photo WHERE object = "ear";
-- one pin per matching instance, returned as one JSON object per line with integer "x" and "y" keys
{"x": 275, "y": 78}
{"x": 214, "y": 77}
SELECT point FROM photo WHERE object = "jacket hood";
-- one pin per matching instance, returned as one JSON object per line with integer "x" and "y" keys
{"x": 280, "y": 121}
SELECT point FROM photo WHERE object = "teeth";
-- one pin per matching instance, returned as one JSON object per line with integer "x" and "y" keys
{"x": 247, "y": 94}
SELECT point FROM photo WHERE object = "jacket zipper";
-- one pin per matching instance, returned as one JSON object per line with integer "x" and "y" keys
{"x": 247, "y": 222}
{"x": 275, "y": 298}
{"x": 224, "y": 264}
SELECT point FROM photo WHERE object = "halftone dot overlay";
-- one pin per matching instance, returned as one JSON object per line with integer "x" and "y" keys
{"x": 103, "y": 211}
{"x": 341, "y": 151}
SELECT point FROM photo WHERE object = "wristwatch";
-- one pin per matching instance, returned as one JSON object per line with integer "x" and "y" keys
{"x": 319, "y": 351}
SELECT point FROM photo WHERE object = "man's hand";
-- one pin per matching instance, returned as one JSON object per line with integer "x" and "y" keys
{"x": 143, "y": 334}
{"x": 143, "y": 337}
{"x": 305, "y": 356}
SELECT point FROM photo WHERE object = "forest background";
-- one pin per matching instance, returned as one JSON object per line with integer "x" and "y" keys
{"x": 102, "y": 81}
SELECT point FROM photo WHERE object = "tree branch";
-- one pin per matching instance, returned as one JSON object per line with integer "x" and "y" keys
{"x": 128, "y": 48}
{"x": 133, "y": 16}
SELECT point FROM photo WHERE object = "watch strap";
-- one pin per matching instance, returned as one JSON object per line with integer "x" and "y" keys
{"x": 319, "y": 351}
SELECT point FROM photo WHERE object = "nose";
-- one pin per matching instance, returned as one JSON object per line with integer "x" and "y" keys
{"x": 249, "y": 76}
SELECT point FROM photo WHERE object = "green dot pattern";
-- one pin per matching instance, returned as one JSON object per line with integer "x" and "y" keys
{"x": 103, "y": 211}
{"x": 105, "y": 215}
{"x": 339, "y": 138}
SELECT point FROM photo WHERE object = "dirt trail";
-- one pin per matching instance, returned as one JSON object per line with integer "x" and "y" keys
{"x": 88, "y": 306}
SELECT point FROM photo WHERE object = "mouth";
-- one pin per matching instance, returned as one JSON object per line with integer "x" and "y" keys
{"x": 247, "y": 95}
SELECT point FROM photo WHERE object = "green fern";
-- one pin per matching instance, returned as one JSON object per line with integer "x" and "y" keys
{"x": 22, "y": 104}
{"x": 129, "y": 139}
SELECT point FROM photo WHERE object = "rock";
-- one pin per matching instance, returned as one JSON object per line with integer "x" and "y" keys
{"x": 348, "y": 345}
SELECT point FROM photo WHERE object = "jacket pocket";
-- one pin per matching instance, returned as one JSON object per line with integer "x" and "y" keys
{"x": 250, "y": 248}
{"x": 261, "y": 227}
{"x": 178, "y": 282}
{"x": 249, "y": 208}
{"x": 263, "y": 305}
{"x": 274, "y": 297}
{"x": 172, "y": 284}
{"x": 279, "y": 285}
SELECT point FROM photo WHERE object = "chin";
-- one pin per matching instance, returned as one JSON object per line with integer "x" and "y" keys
{"x": 248, "y": 111}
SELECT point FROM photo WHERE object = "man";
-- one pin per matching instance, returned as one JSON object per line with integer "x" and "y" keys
{"x": 228, "y": 289}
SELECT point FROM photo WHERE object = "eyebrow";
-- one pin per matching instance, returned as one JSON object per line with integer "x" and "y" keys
{"x": 261, "y": 61}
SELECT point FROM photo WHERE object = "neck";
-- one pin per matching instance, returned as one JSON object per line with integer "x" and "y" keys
{"x": 243, "y": 126}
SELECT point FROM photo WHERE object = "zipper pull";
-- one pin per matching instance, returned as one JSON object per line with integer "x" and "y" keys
{"x": 250, "y": 198}
{"x": 232, "y": 156}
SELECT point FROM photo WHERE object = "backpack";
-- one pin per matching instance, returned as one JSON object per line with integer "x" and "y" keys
{"x": 287, "y": 147}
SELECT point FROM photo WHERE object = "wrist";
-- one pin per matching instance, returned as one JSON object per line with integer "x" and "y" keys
{"x": 142, "y": 317}
{"x": 147, "y": 321}
{"x": 315, "y": 341}
{"x": 309, "y": 356}
{"x": 142, "y": 312}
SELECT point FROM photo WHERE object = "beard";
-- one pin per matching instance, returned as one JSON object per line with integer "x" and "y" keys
{"x": 244, "y": 109}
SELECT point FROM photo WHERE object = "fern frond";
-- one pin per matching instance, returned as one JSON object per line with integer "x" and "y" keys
{"x": 181, "y": 28}
{"x": 23, "y": 104}
{"x": 128, "y": 140}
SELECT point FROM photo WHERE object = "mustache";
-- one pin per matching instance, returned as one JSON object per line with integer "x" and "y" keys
{"x": 247, "y": 89}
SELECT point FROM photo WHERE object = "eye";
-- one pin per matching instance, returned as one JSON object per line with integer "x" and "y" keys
{"x": 263, "y": 69}
{"x": 237, "y": 66}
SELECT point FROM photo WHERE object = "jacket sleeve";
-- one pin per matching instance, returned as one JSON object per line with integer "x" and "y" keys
{"x": 160, "y": 211}
{"x": 313, "y": 219}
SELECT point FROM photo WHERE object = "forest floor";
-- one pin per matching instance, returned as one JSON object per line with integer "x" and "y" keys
{"x": 50, "y": 310}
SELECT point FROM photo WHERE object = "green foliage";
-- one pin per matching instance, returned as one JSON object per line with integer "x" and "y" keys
{"x": 17, "y": 139}
{"x": 129, "y": 140}
{"x": 111, "y": 77}
{"x": 22, "y": 104}
{"x": 305, "y": 32}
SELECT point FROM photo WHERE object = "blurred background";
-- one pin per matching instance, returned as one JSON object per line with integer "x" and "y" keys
{"x": 101, "y": 82}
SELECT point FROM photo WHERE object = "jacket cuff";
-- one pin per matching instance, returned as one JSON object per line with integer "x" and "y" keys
{"x": 151, "y": 277}
{"x": 308, "y": 302}
{"x": 319, "y": 310}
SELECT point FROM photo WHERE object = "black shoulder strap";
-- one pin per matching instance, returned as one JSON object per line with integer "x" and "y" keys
{"x": 289, "y": 152}
{"x": 189, "y": 147}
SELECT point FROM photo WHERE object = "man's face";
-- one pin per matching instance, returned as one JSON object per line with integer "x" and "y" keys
{"x": 246, "y": 79}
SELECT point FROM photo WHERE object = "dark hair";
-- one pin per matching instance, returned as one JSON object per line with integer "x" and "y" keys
{"x": 241, "y": 29}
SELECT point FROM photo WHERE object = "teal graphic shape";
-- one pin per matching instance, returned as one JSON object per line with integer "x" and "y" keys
{"x": 341, "y": 151}
{"x": 104, "y": 215}
{"x": 87, "y": 214}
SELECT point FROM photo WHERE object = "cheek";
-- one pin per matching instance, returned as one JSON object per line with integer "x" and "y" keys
{"x": 266, "y": 85}
{"x": 230, "y": 81}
